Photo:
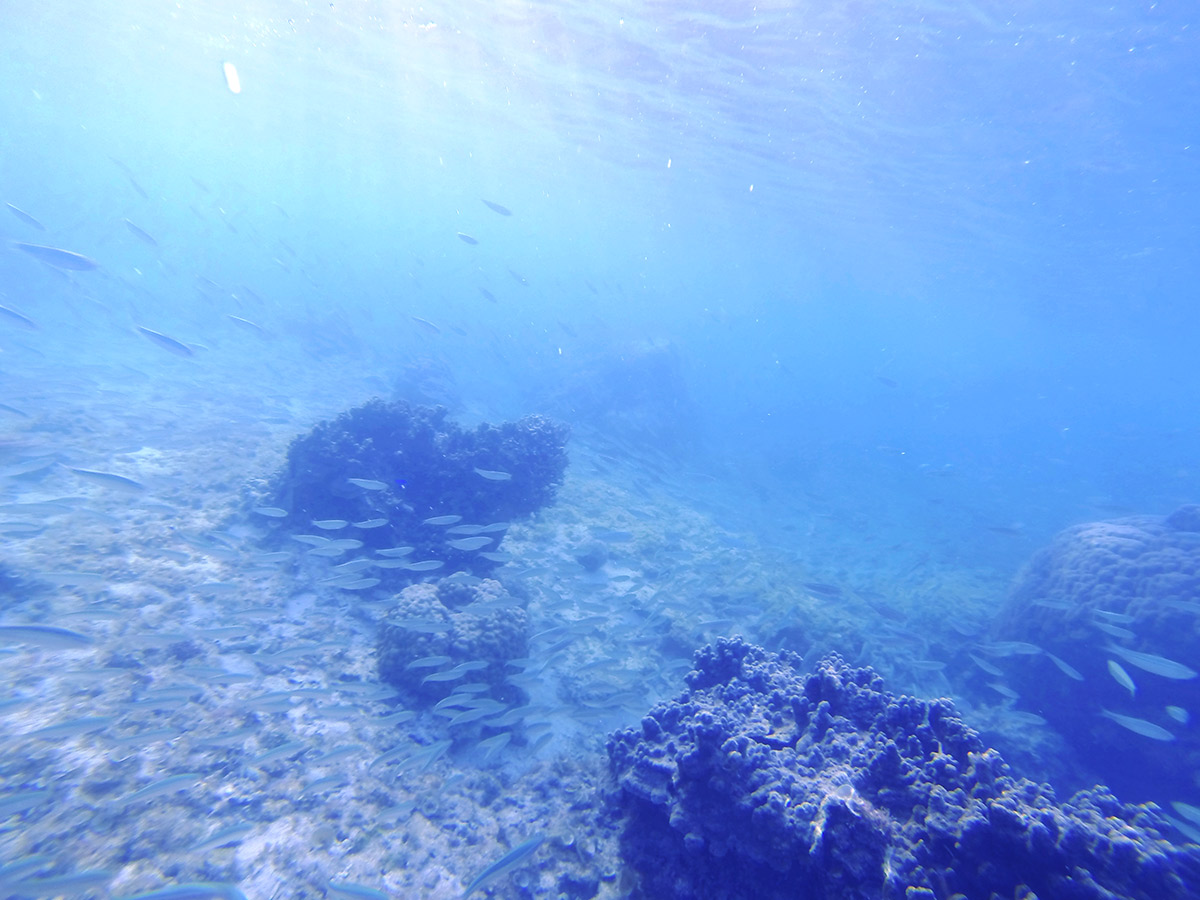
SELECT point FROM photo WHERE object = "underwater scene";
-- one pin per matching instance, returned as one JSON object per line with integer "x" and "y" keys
{"x": 545, "y": 449}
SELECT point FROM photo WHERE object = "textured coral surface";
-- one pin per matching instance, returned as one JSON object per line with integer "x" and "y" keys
{"x": 761, "y": 781}
{"x": 1099, "y": 591}
{"x": 428, "y": 468}
{"x": 440, "y": 620}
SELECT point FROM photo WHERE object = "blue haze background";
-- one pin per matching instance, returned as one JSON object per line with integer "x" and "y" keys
{"x": 993, "y": 209}
{"x": 926, "y": 271}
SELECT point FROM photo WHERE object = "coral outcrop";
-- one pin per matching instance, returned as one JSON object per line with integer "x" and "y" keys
{"x": 1114, "y": 609}
{"x": 763, "y": 782}
{"x": 471, "y": 627}
{"x": 393, "y": 476}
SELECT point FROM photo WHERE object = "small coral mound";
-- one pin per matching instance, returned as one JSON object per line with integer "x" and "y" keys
{"x": 394, "y": 476}
{"x": 1115, "y": 608}
{"x": 759, "y": 781}
{"x": 457, "y": 630}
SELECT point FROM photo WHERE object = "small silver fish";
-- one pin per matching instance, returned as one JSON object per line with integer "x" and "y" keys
{"x": 288, "y": 749}
{"x": 1114, "y": 617}
{"x": 166, "y": 342}
{"x": 426, "y": 324}
{"x": 1121, "y": 677}
{"x": 1187, "y": 810}
{"x": 223, "y": 837}
{"x": 54, "y": 256}
{"x": 140, "y": 234}
{"x": 389, "y": 563}
{"x": 1010, "y": 648}
{"x": 1155, "y": 665}
{"x": 1020, "y": 717}
{"x": 506, "y": 863}
{"x": 470, "y": 543}
{"x": 493, "y": 745}
{"x": 163, "y": 786}
{"x": 47, "y": 637}
{"x": 360, "y": 584}
{"x": 349, "y": 890}
{"x": 368, "y": 484}
{"x": 328, "y": 550}
{"x": 1139, "y": 726}
{"x": 986, "y": 666}
{"x": 1179, "y": 714}
{"x": 428, "y": 662}
{"x": 21, "y": 319}
{"x": 108, "y": 479}
{"x": 247, "y": 324}
{"x": 920, "y": 665}
{"x": 492, "y": 474}
{"x": 71, "y": 728}
{"x": 1115, "y": 630}
{"x": 825, "y": 590}
{"x": 423, "y": 626}
{"x": 1003, "y": 690}
{"x": 448, "y": 675}
{"x": 1065, "y": 667}
{"x": 313, "y": 540}
{"x": 26, "y": 217}
{"x": 470, "y": 715}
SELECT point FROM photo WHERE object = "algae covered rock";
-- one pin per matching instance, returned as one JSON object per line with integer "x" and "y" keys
{"x": 760, "y": 781}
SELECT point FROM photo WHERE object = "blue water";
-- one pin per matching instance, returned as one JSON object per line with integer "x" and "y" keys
{"x": 875, "y": 296}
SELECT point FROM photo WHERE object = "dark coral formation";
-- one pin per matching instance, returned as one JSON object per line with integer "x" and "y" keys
{"x": 466, "y": 620}
{"x": 759, "y": 781}
{"x": 1097, "y": 592}
{"x": 430, "y": 468}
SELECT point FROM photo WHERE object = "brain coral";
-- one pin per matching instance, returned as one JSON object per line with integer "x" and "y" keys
{"x": 1117, "y": 603}
{"x": 759, "y": 781}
